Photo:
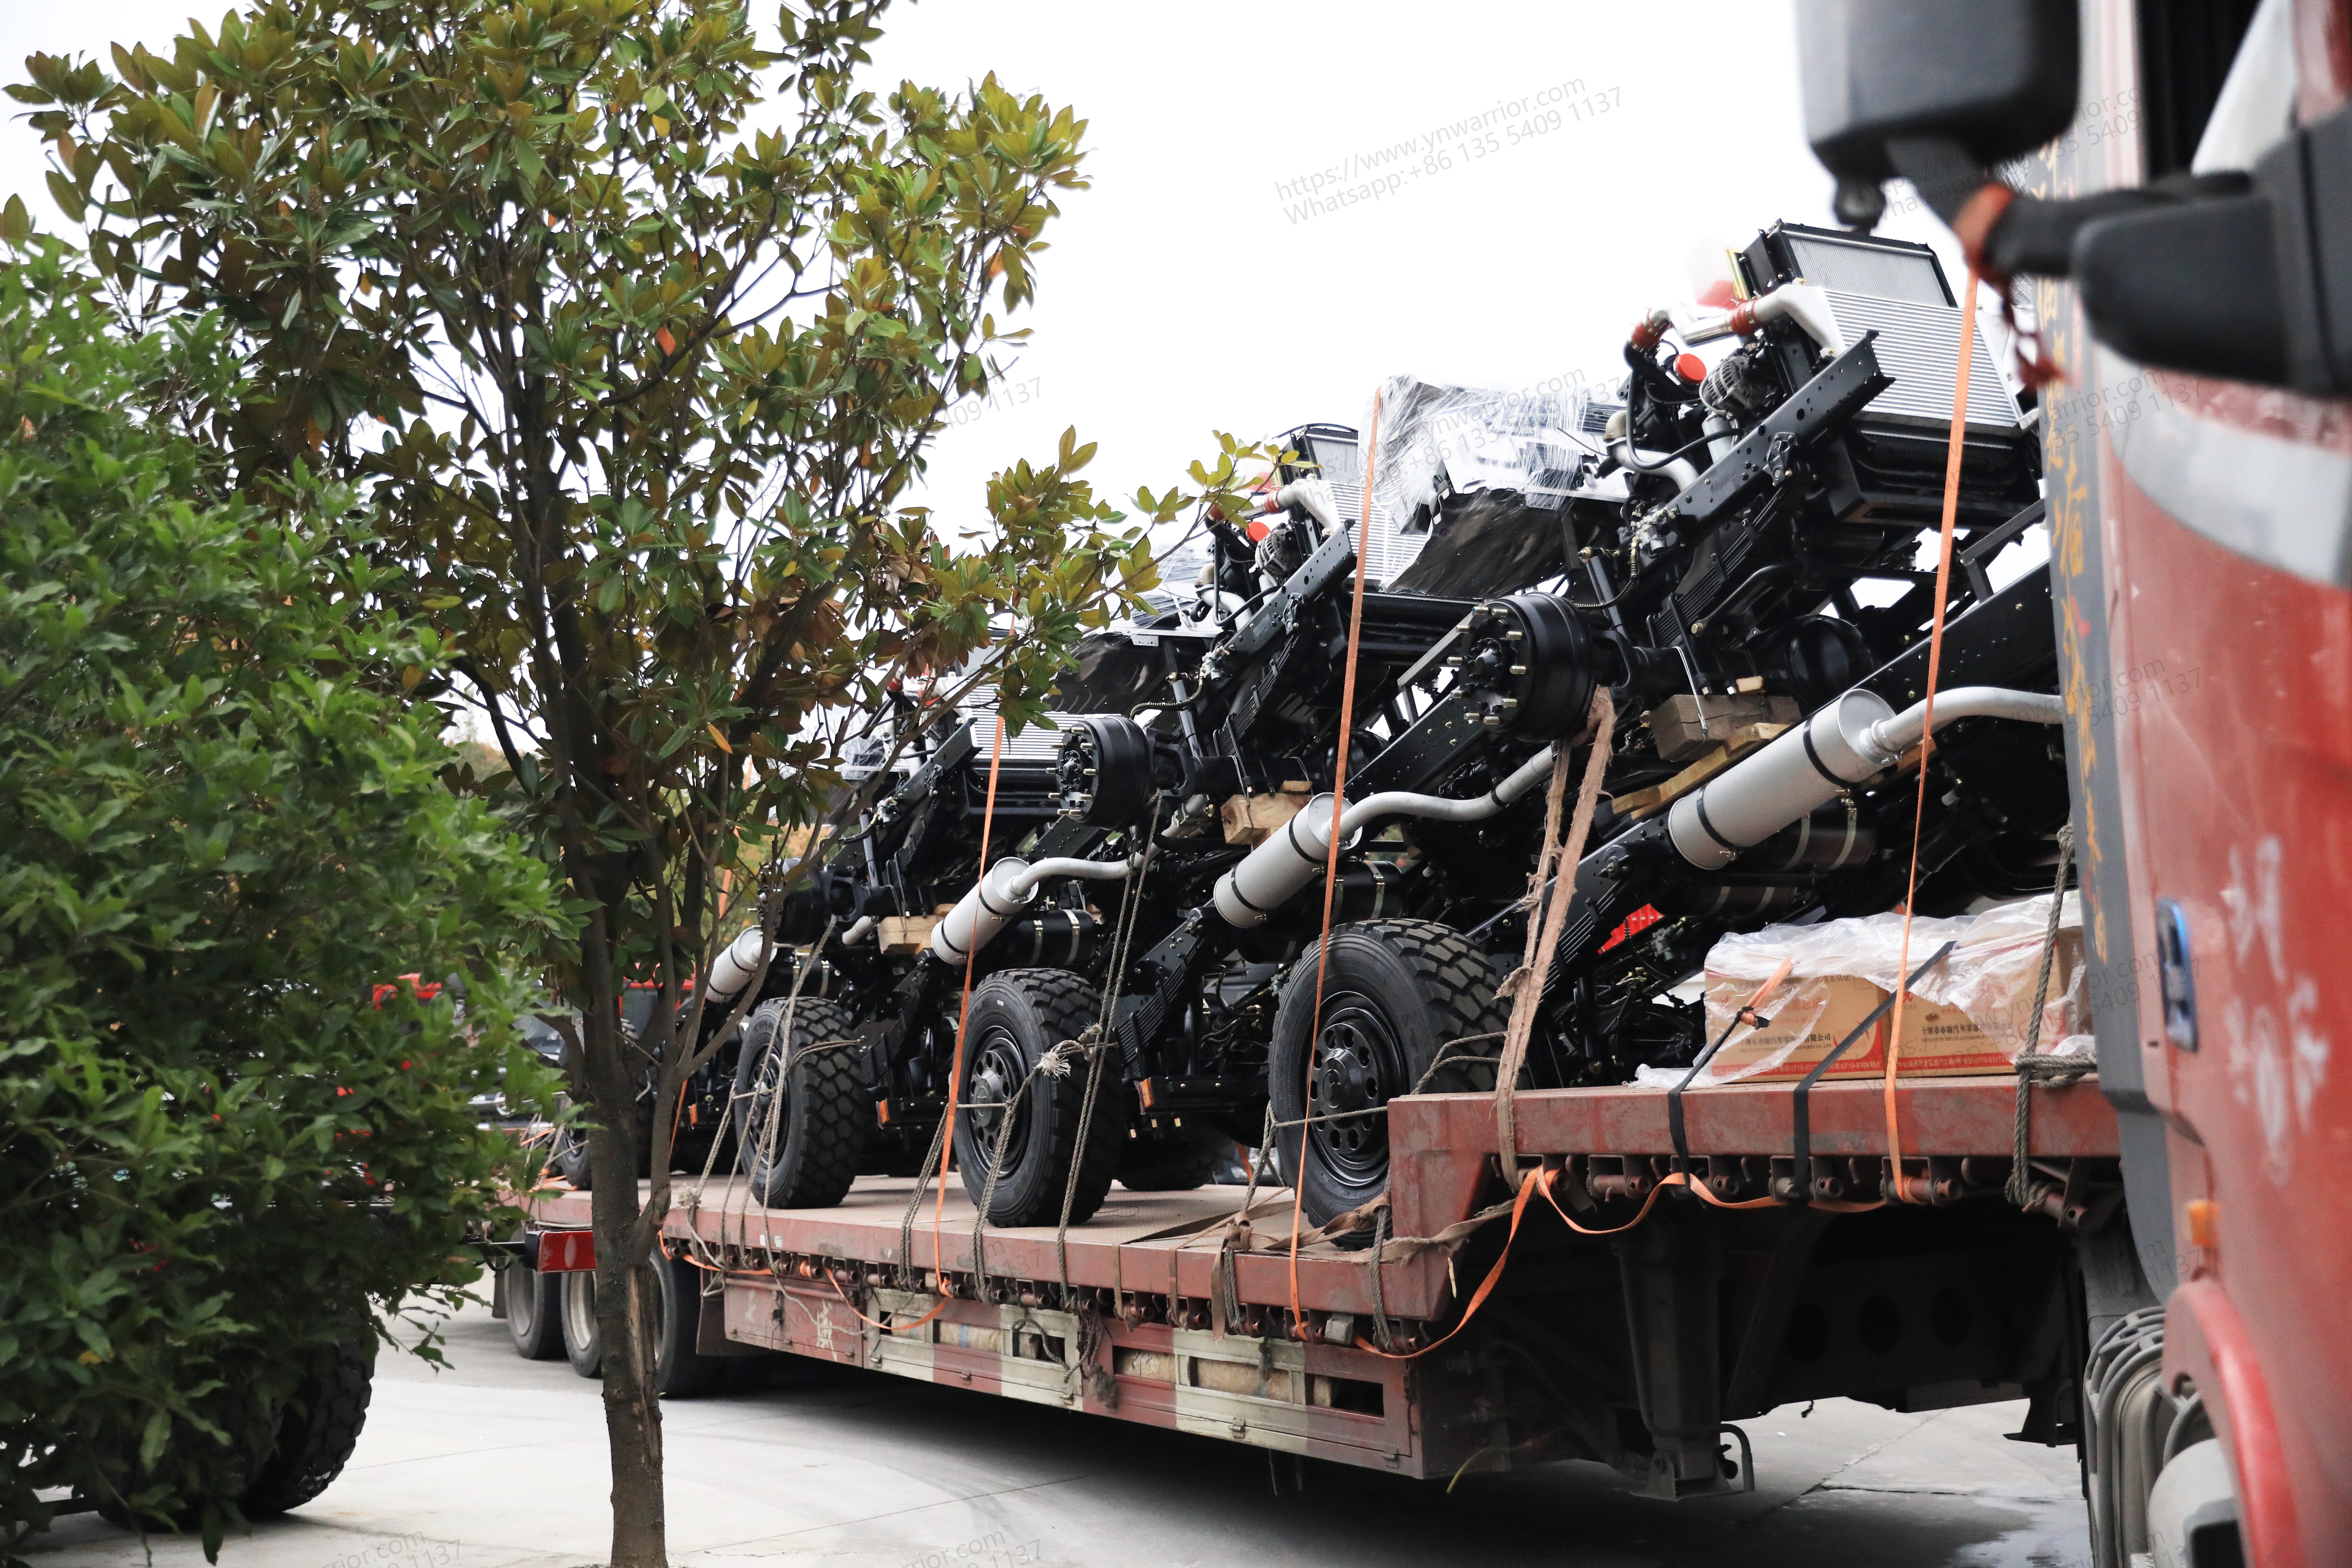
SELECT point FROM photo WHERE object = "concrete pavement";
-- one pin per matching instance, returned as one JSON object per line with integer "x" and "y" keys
{"x": 499, "y": 1463}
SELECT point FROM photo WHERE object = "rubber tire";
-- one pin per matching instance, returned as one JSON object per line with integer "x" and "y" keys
{"x": 1176, "y": 1161}
{"x": 1038, "y": 1009}
{"x": 679, "y": 1371}
{"x": 1430, "y": 985}
{"x": 534, "y": 1313}
{"x": 827, "y": 1118}
{"x": 316, "y": 1434}
{"x": 569, "y": 1158}
{"x": 583, "y": 1341}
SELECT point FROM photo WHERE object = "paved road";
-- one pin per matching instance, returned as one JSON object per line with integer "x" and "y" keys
{"x": 499, "y": 1463}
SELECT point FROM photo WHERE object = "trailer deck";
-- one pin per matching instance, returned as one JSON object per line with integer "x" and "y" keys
{"x": 1175, "y": 1317}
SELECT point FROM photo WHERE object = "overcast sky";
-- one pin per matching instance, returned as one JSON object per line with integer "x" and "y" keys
{"x": 1190, "y": 289}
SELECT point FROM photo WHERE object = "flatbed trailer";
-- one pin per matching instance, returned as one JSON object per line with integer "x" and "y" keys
{"x": 1634, "y": 1349}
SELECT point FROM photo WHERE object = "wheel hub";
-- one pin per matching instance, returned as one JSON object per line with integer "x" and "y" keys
{"x": 996, "y": 1079}
{"x": 1359, "y": 1066}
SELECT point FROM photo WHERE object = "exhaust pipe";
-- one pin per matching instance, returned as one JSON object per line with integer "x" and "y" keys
{"x": 1000, "y": 898}
{"x": 1846, "y": 742}
{"x": 1276, "y": 869}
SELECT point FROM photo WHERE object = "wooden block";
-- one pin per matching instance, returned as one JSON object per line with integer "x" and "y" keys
{"x": 1252, "y": 819}
{"x": 1673, "y": 723}
{"x": 906, "y": 934}
{"x": 1648, "y": 802}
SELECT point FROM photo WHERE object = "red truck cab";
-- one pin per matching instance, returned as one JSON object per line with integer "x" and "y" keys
{"x": 2185, "y": 243}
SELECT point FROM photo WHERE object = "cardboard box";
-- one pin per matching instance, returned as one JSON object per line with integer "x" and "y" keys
{"x": 1808, "y": 1018}
{"x": 1251, "y": 819}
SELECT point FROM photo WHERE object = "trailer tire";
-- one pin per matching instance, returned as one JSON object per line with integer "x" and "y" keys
{"x": 1395, "y": 994}
{"x": 679, "y": 1371}
{"x": 1175, "y": 1161}
{"x": 316, "y": 1434}
{"x": 583, "y": 1341}
{"x": 1017, "y": 1015}
{"x": 534, "y": 1313}
{"x": 825, "y": 1118}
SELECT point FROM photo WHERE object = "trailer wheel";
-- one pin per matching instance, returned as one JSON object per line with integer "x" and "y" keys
{"x": 1395, "y": 994}
{"x": 534, "y": 1313}
{"x": 806, "y": 1116}
{"x": 316, "y": 1434}
{"x": 679, "y": 1371}
{"x": 583, "y": 1341}
{"x": 1174, "y": 1160}
{"x": 1017, "y": 1015}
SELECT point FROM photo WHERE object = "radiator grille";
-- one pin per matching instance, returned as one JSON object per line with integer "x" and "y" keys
{"x": 1915, "y": 346}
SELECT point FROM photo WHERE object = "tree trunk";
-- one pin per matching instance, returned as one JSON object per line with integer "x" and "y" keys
{"x": 625, "y": 1296}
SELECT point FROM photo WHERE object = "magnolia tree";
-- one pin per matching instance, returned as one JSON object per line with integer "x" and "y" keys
{"x": 631, "y": 324}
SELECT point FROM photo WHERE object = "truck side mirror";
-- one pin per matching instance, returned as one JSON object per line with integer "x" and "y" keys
{"x": 2255, "y": 287}
{"x": 1993, "y": 79}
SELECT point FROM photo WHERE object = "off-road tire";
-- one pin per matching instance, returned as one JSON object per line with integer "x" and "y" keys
{"x": 316, "y": 1434}
{"x": 583, "y": 1341}
{"x": 569, "y": 1158}
{"x": 827, "y": 1116}
{"x": 1429, "y": 986}
{"x": 534, "y": 1313}
{"x": 1020, "y": 1015}
{"x": 1175, "y": 1160}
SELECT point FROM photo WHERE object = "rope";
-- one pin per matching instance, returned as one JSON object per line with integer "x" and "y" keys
{"x": 914, "y": 1205}
{"x": 1956, "y": 445}
{"x": 1055, "y": 1063}
{"x": 1380, "y": 1335}
{"x": 1526, "y": 986}
{"x": 1122, "y": 947}
{"x": 739, "y": 1198}
{"x": 1331, "y": 854}
{"x": 2031, "y": 1066}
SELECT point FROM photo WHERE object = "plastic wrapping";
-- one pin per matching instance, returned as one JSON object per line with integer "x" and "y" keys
{"x": 1437, "y": 439}
{"x": 1987, "y": 983}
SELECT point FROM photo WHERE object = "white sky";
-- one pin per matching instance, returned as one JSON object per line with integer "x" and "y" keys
{"x": 1180, "y": 297}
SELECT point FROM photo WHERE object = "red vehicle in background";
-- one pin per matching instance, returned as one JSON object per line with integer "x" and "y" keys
{"x": 2174, "y": 194}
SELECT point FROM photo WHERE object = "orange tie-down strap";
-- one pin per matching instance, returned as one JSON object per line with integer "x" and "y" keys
{"x": 1895, "y": 1180}
{"x": 1331, "y": 853}
{"x": 963, "y": 1015}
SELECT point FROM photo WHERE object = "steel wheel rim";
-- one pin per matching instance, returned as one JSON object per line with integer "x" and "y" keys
{"x": 1358, "y": 1064}
{"x": 580, "y": 1311}
{"x": 765, "y": 1108}
{"x": 522, "y": 1300}
{"x": 997, "y": 1072}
